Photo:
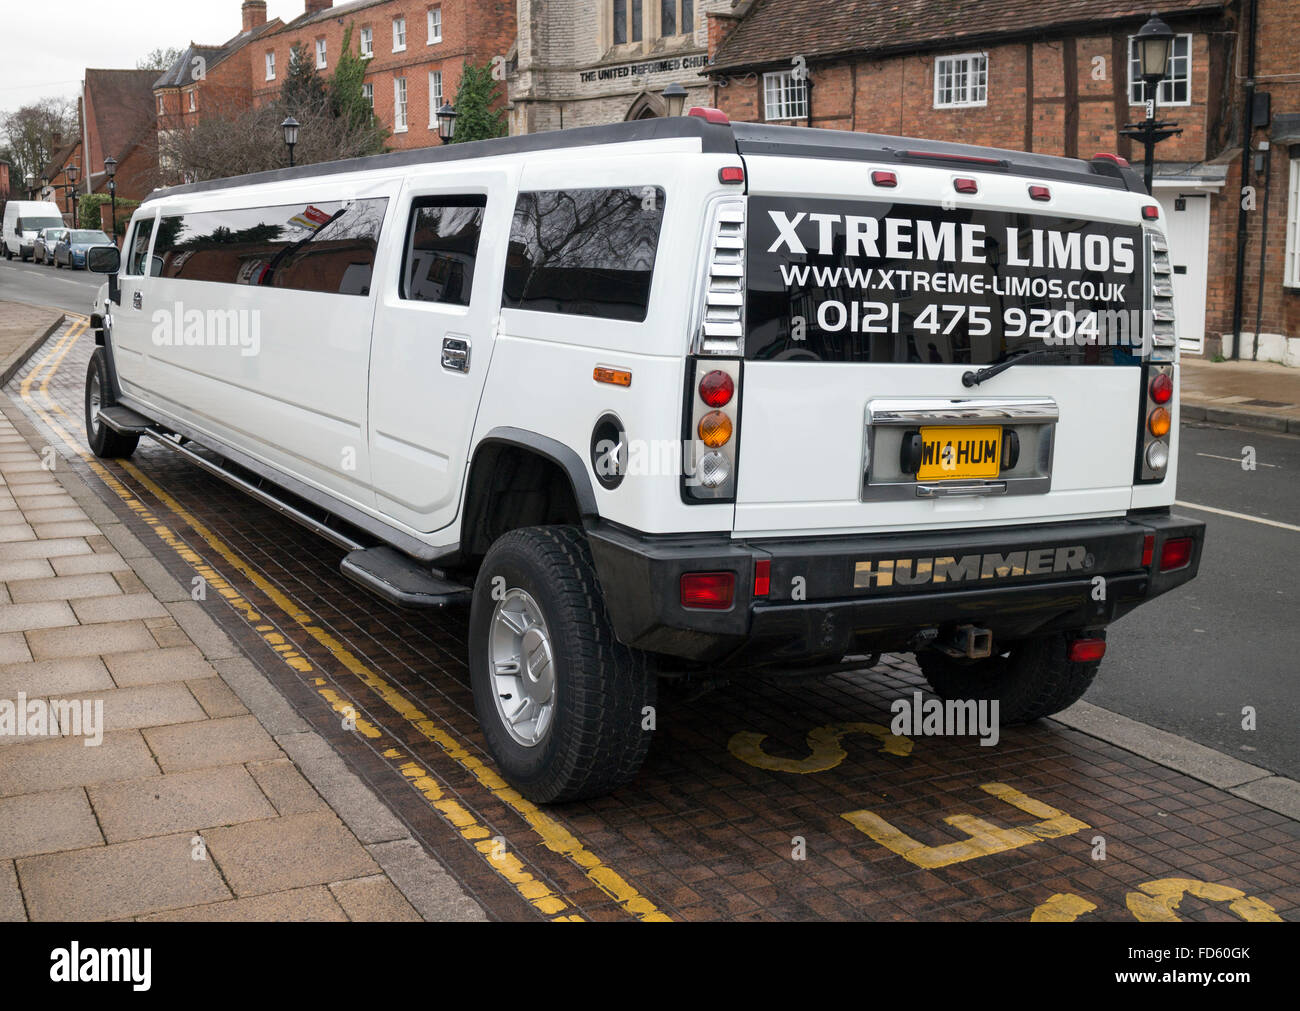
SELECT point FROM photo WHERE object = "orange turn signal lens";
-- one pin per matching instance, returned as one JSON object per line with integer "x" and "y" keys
{"x": 715, "y": 429}
{"x": 615, "y": 377}
{"x": 1158, "y": 423}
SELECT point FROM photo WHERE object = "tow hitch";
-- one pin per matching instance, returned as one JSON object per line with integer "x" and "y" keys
{"x": 968, "y": 642}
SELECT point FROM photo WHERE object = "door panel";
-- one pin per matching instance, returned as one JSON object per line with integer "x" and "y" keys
{"x": 1187, "y": 216}
{"x": 434, "y": 332}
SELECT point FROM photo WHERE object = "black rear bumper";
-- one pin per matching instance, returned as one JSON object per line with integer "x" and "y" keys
{"x": 836, "y": 596}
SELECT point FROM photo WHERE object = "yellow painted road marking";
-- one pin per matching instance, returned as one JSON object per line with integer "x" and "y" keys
{"x": 553, "y": 835}
{"x": 1062, "y": 908}
{"x": 1160, "y": 903}
{"x": 824, "y": 745}
{"x": 985, "y": 837}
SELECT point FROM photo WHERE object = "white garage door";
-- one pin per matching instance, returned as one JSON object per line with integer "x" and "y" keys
{"x": 1187, "y": 218}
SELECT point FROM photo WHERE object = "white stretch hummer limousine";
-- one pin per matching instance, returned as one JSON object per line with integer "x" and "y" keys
{"x": 681, "y": 399}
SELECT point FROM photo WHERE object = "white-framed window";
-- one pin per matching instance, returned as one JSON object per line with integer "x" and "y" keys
{"x": 191, "y": 101}
{"x": 961, "y": 81}
{"x": 367, "y": 43}
{"x": 435, "y": 97}
{"x": 784, "y": 96}
{"x": 368, "y": 93}
{"x": 322, "y": 60}
{"x": 1176, "y": 88}
{"x": 399, "y": 105}
{"x": 1292, "y": 278}
{"x": 160, "y": 105}
{"x": 435, "y": 25}
{"x": 270, "y": 66}
{"x": 399, "y": 35}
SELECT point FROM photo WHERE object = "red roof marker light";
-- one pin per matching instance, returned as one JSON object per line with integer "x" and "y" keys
{"x": 882, "y": 178}
{"x": 966, "y": 185}
{"x": 710, "y": 115}
{"x": 1039, "y": 193}
{"x": 731, "y": 174}
{"x": 1151, "y": 212}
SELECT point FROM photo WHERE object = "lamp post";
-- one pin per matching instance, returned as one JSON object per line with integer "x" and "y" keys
{"x": 674, "y": 98}
{"x": 290, "y": 128}
{"x": 1154, "y": 41}
{"x": 446, "y": 123}
{"x": 31, "y": 185}
{"x": 69, "y": 191}
{"x": 110, "y": 168}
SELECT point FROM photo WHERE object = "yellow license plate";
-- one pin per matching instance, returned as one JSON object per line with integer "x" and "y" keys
{"x": 953, "y": 454}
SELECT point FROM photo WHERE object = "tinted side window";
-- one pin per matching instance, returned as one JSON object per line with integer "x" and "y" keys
{"x": 325, "y": 247}
{"x": 584, "y": 252}
{"x": 441, "y": 249}
{"x": 138, "y": 247}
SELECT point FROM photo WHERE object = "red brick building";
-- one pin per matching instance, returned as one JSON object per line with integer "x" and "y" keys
{"x": 1057, "y": 76}
{"x": 415, "y": 50}
{"x": 117, "y": 122}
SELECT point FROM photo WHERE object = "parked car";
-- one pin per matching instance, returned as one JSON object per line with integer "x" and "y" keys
{"x": 43, "y": 249}
{"x": 23, "y": 222}
{"x": 71, "y": 251}
{"x": 681, "y": 399}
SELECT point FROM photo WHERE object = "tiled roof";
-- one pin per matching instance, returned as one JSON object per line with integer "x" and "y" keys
{"x": 60, "y": 159}
{"x": 342, "y": 10}
{"x": 184, "y": 72}
{"x": 123, "y": 106}
{"x": 776, "y": 30}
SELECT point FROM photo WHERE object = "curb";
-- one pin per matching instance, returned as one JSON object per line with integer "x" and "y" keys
{"x": 1255, "y": 420}
{"x": 1241, "y": 779}
{"x": 20, "y": 358}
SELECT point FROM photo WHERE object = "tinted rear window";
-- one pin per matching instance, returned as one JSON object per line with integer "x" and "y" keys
{"x": 584, "y": 252}
{"x": 857, "y": 281}
{"x": 326, "y": 246}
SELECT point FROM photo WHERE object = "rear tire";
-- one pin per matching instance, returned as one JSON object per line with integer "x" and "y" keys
{"x": 539, "y": 631}
{"x": 1033, "y": 679}
{"x": 104, "y": 442}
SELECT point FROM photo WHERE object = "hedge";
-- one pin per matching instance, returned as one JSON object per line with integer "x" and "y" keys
{"x": 88, "y": 210}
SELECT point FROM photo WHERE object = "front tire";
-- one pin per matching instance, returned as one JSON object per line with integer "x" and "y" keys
{"x": 1032, "y": 679}
{"x": 104, "y": 442}
{"x": 561, "y": 701}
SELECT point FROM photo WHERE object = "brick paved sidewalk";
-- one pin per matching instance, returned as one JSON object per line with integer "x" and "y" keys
{"x": 206, "y": 796}
{"x": 1261, "y": 395}
{"x": 21, "y": 328}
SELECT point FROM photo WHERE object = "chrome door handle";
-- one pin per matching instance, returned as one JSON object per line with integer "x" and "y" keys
{"x": 455, "y": 354}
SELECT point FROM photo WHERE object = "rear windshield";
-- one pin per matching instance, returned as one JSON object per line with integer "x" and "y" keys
{"x": 84, "y": 236}
{"x": 858, "y": 281}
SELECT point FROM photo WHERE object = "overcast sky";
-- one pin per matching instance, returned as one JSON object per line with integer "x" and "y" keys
{"x": 48, "y": 46}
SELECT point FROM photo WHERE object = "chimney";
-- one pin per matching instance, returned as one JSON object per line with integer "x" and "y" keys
{"x": 254, "y": 14}
{"x": 316, "y": 6}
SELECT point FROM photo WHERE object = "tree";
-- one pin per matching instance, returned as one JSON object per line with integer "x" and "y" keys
{"x": 30, "y": 133}
{"x": 303, "y": 92}
{"x": 475, "y": 117}
{"x": 160, "y": 59}
{"x": 347, "y": 94}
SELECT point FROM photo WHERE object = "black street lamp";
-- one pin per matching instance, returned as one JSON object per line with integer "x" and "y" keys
{"x": 31, "y": 185}
{"x": 674, "y": 98}
{"x": 70, "y": 191}
{"x": 446, "y": 123}
{"x": 110, "y": 167}
{"x": 290, "y": 128}
{"x": 1154, "y": 41}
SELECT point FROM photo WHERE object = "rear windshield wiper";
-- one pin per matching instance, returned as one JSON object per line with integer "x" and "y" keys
{"x": 974, "y": 378}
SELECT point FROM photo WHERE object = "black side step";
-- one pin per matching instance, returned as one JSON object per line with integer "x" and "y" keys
{"x": 400, "y": 580}
{"x": 124, "y": 420}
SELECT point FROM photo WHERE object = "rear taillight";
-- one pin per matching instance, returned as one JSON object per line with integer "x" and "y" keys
{"x": 717, "y": 388}
{"x": 1148, "y": 550}
{"x": 763, "y": 577}
{"x": 1175, "y": 553}
{"x": 708, "y": 591}
{"x": 1155, "y": 437}
{"x": 1087, "y": 650}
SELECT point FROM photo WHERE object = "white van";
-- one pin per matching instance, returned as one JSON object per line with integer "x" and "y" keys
{"x": 23, "y": 222}
{"x": 681, "y": 399}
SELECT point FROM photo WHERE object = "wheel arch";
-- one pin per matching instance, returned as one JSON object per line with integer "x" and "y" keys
{"x": 519, "y": 478}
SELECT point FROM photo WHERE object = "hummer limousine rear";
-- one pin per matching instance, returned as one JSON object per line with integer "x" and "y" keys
{"x": 684, "y": 399}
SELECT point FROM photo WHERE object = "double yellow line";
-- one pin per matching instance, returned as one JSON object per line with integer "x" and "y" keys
{"x": 552, "y": 834}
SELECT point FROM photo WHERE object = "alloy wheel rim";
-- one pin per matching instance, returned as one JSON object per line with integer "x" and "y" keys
{"x": 95, "y": 399}
{"x": 522, "y": 668}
